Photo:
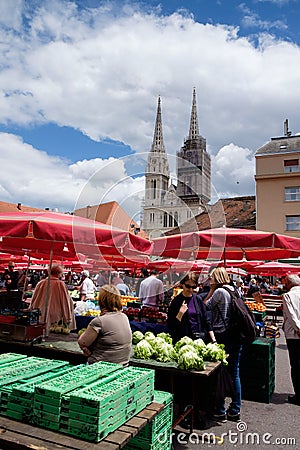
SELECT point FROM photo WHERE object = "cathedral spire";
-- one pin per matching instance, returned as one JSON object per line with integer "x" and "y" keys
{"x": 158, "y": 141}
{"x": 194, "y": 129}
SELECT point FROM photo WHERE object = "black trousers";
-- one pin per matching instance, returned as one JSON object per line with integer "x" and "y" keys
{"x": 293, "y": 346}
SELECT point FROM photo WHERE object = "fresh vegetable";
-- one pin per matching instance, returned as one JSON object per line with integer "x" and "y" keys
{"x": 215, "y": 352}
{"x": 163, "y": 351}
{"x": 143, "y": 350}
{"x": 137, "y": 336}
{"x": 190, "y": 360}
{"x": 186, "y": 348}
{"x": 183, "y": 341}
{"x": 150, "y": 337}
{"x": 166, "y": 337}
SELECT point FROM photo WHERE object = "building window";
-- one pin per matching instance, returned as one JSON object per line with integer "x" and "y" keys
{"x": 170, "y": 220}
{"x": 175, "y": 219}
{"x": 153, "y": 188}
{"x": 151, "y": 217}
{"x": 292, "y": 194}
{"x": 165, "y": 220}
{"x": 292, "y": 223}
{"x": 291, "y": 165}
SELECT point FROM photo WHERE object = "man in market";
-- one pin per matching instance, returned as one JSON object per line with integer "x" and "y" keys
{"x": 11, "y": 277}
{"x": 87, "y": 288}
{"x": 291, "y": 328}
{"x": 152, "y": 291}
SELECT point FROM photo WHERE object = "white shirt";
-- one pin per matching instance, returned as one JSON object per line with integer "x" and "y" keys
{"x": 87, "y": 288}
{"x": 291, "y": 313}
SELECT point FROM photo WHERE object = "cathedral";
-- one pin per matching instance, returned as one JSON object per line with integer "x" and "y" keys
{"x": 167, "y": 206}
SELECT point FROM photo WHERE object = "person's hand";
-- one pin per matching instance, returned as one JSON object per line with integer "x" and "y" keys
{"x": 183, "y": 308}
{"x": 86, "y": 351}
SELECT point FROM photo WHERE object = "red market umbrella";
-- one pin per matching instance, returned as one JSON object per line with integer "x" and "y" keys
{"x": 63, "y": 234}
{"x": 275, "y": 268}
{"x": 227, "y": 243}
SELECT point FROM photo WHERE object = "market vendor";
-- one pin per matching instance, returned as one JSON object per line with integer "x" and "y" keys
{"x": 53, "y": 299}
{"x": 108, "y": 336}
{"x": 87, "y": 288}
{"x": 187, "y": 315}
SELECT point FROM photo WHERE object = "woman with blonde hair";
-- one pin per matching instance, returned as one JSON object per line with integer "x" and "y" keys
{"x": 108, "y": 336}
{"x": 218, "y": 301}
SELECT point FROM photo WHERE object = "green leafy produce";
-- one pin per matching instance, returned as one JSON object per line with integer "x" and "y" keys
{"x": 186, "y": 348}
{"x": 190, "y": 360}
{"x": 137, "y": 336}
{"x": 166, "y": 336}
{"x": 166, "y": 353}
{"x": 143, "y": 350}
{"x": 149, "y": 336}
{"x": 183, "y": 341}
{"x": 215, "y": 352}
{"x": 200, "y": 346}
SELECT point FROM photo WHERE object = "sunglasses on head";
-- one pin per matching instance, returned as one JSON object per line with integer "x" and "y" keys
{"x": 189, "y": 286}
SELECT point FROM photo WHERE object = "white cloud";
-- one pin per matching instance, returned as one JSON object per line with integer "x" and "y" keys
{"x": 233, "y": 172}
{"x": 100, "y": 70}
{"x": 252, "y": 19}
{"x": 34, "y": 178}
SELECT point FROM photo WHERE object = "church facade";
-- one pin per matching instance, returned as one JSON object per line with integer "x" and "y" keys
{"x": 167, "y": 206}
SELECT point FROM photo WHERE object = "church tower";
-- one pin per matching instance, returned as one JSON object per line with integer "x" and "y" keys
{"x": 194, "y": 167}
{"x": 156, "y": 178}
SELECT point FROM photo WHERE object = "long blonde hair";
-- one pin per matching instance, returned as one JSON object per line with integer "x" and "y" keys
{"x": 219, "y": 276}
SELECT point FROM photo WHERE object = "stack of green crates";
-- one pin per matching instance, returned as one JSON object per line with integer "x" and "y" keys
{"x": 48, "y": 396}
{"x": 257, "y": 370}
{"x": 7, "y": 358}
{"x": 20, "y": 371}
{"x": 19, "y": 396}
{"x": 156, "y": 435}
{"x": 95, "y": 411}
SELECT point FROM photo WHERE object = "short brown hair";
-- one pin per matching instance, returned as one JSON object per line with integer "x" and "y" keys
{"x": 191, "y": 276}
{"x": 109, "y": 298}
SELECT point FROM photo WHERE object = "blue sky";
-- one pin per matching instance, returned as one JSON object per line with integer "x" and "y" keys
{"x": 80, "y": 81}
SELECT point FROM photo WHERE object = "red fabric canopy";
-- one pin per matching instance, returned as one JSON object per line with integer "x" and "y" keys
{"x": 227, "y": 243}
{"x": 63, "y": 234}
{"x": 275, "y": 268}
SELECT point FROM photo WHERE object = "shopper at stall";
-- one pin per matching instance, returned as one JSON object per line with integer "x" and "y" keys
{"x": 291, "y": 327}
{"x": 52, "y": 297}
{"x": 152, "y": 291}
{"x": 10, "y": 277}
{"x": 86, "y": 288}
{"x": 218, "y": 301}
{"x": 144, "y": 274}
{"x": 187, "y": 315}
{"x": 108, "y": 337}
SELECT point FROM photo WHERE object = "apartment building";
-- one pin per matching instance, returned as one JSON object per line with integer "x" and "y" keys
{"x": 278, "y": 185}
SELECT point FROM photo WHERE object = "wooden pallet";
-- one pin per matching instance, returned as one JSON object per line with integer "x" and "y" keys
{"x": 21, "y": 436}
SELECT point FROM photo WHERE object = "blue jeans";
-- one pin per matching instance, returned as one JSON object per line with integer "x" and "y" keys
{"x": 234, "y": 351}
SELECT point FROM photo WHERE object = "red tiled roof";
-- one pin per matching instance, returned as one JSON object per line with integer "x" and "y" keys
{"x": 236, "y": 212}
